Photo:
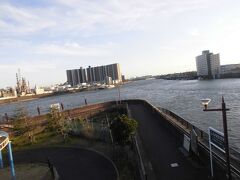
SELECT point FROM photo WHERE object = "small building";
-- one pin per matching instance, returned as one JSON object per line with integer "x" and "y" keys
{"x": 108, "y": 80}
{"x": 38, "y": 90}
{"x": 230, "y": 68}
{"x": 230, "y": 71}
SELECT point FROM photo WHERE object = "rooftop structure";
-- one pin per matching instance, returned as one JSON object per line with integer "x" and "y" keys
{"x": 22, "y": 87}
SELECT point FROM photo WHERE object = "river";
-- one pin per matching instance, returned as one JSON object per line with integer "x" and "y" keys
{"x": 181, "y": 97}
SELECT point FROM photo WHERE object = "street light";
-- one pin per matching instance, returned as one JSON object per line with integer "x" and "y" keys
{"x": 205, "y": 103}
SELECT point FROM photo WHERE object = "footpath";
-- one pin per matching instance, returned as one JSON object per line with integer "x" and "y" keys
{"x": 162, "y": 148}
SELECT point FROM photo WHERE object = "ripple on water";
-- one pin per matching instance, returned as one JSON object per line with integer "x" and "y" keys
{"x": 181, "y": 97}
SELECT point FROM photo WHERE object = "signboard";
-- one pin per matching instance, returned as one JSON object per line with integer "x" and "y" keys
{"x": 216, "y": 138}
{"x": 186, "y": 142}
{"x": 194, "y": 142}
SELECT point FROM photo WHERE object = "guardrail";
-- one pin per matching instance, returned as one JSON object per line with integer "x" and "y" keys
{"x": 80, "y": 111}
{"x": 203, "y": 140}
{"x": 142, "y": 170}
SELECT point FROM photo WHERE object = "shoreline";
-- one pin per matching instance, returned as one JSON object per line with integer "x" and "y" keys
{"x": 29, "y": 98}
{"x": 39, "y": 96}
{"x": 23, "y": 99}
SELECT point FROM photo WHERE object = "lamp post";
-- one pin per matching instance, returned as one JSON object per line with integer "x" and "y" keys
{"x": 205, "y": 103}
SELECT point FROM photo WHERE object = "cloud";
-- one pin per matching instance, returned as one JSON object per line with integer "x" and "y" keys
{"x": 74, "y": 49}
{"x": 37, "y": 66}
{"x": 194, "y": 32}
{"x": 84, "y": 17}
{"x": 19, "y": 21}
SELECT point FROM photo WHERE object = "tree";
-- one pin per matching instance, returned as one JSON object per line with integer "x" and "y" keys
{"x": 57, "y": 122}
{"x": 123, "y": 129}
{"x": 22, "y": 123}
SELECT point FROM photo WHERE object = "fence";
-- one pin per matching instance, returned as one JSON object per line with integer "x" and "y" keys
{"x": 186, "y": 127}
{"x": 81, "y": 111}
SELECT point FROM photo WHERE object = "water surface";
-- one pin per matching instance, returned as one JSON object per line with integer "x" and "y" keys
{"x": 181, "y": 97}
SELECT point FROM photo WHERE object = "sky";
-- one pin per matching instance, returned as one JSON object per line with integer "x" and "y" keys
{"x": 44, "y": 38}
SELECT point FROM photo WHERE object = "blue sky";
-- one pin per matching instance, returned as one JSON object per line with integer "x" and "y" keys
{"x": 44, "y": 38}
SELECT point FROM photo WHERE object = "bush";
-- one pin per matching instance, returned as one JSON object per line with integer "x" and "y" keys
{"x": 57, "y": 122}
{"x": 123, "y": 129}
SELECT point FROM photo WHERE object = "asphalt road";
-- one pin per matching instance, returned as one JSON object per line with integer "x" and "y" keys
{"x": 72, "y": 163}
{"x": 162, "y": 148}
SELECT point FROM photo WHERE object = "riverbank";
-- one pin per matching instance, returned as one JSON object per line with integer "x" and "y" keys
{"x": 171, "y": 131}
{"x": 24, "y": 98}
{"x": 10, "y": 100}
{"x": 34, "y": 97}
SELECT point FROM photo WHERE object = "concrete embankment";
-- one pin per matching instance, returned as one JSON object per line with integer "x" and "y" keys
{"x": 23, "y": 98}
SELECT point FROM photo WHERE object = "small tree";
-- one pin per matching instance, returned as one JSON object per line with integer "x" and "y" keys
{"x": 22, "y": 123}
{"x": 57, "y": 122}
{"x": 123, "y": 129}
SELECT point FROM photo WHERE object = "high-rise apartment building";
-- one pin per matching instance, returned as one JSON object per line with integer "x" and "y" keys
{"x": 94, "y": 74}
{"x": 208, "y": 65}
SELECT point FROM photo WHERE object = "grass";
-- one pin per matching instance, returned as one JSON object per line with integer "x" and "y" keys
{"x": 42, "y": 139}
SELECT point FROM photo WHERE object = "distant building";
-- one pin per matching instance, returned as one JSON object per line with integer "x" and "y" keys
{"x": 208, "y": 65}
{"x": 94, "y": 74}
{"x": 22, "y": 87}
{"x": 230, "y": 71}
{"x": 8, "y": 92}
{"x": 230, "y": 68}
{"x": 123, "y": 78}
{"x": 38, "y": 90}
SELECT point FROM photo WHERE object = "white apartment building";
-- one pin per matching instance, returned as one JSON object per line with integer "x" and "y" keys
{"x": 208, "y": 65}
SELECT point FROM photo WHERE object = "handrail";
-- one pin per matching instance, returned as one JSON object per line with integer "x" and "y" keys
{"x": 5, "y": 141}
{"x": 204, "y": 136}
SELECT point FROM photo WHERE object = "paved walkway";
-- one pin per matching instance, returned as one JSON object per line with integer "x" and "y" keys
{"x": 162, "y": 149}
{"x": 72, "y": 163}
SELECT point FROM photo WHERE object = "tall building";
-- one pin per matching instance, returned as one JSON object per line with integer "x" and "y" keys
{"x": 208, "y": 65}
{"x": 99, "y": 74}
{"x": 82, "y": 75}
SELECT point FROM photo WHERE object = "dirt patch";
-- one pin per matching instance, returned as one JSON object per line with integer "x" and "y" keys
{"x": 27, "y": 171}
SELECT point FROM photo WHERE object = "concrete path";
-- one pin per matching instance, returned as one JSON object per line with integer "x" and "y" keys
{"x": 72, "y": 163}
{"x": 162, "y": 148}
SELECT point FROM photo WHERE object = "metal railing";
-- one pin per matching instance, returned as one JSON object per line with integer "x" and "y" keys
{"x": 142, "y": 170}
{"x": 203, "y": 140}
